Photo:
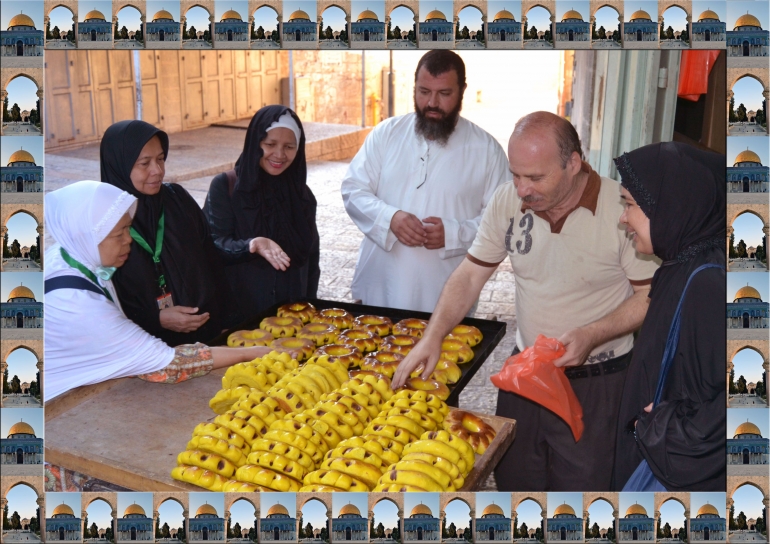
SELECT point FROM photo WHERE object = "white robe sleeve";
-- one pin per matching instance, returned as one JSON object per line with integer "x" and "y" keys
{"x": 459, "y": 235}
{"x": 359, "y": 191}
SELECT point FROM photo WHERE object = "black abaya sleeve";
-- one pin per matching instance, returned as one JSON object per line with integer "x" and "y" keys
{"x": 683, "y": 439}
{"x": 221, "y": 219}
{"x": 314, "y": 270}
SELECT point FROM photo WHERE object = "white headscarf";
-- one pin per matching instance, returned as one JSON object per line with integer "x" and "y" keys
{"x": 88, "y": 339}
{"x": 287, "y": 121}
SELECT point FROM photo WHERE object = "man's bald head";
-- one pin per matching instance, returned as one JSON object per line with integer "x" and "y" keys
{"x": 543, "y": 122}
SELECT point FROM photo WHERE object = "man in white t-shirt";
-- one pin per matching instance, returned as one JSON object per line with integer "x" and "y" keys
{"x": 417, "y": 189}
{"x": 578, "y": 279}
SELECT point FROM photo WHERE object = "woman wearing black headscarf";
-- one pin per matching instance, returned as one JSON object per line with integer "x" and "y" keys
{"x": 262, "y": 215}
{"x": 173, "y": 283}
{"x": 675, "y": 209}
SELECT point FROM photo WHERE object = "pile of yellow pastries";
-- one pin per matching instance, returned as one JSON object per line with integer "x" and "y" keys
{"x": 323, "y": 427}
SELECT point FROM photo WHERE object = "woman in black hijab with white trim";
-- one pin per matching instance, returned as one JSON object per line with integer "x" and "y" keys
{"x": 675, "y": 209}
{"x": 172, "y": 284}
{"x": 262, "y": 215}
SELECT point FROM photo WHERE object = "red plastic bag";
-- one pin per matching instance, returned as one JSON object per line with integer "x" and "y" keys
{"x": 694, "y": 73}
{"x": 532, "y": 375}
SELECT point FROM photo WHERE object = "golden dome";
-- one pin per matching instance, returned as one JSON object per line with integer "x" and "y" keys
{"x": 435, "y": 14}
{"x": 299, "y": 14}
{"x": 420, "y": 509}
{"x": 747, "y": 428}
{"x": 21, "y": 428}
{"x": 350, "y": 509}
{"x": 21, "y": 292}
{"x": 504, "y": 15}
{"x": 747, "y": 292}
{"x": 747, "y": 20}
{"x": 134, "y": 509}
{"x": 162, "y": 14}
{"x": 564, "y": 509}
{"x": 206, "y": 509}
{"x": 707, "y": 509}
{"x": 572, "y": 14}
{"x": 493, "y": 509}
{"x": 747, "y": 156}
{"x": 231, "y": 14}
{"x": 277, "y": 509}
{"x": 94, "y": 14}
{"x": 21, "y": 156}
{"x": 21, "y": 20}
{"x": 641, "y": 14}
{"x": 636, "y": 509}
{"x": 63, "y": 509}
{"x": 367, "y": 14}
{"x": 708, "y": 14}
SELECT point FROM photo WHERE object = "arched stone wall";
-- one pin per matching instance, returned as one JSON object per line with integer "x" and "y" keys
{"x": 481, "y": 5}
{"x": 9, "y": 74}
{"x": 617, "y": 5}
{"x": 251, "y": 498}
{"x": 37, "y": 483}
{"x": 139, "y": 5}
{"x": 760, "y": 482}
{"x": 760, "y": 346}
{"x": 686, "y": 5}
{"x": 762, "y": 211}
{"x": 50, "y": 5}
{"x": 276, "y": 5}
{"x": 344, "y": 5}
{"x": 9, "y": 346}
{"x": 413, "y": 5}
{"x": 186, "y": 5}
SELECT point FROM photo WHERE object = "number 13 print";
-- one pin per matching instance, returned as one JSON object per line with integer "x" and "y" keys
{"x": 525, "y": 244}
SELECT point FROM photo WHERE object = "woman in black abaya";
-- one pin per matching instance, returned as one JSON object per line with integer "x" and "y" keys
{"x": 675, "y": 208}
{"x": 262, "y": 215}
{"x": 183, "y": 298}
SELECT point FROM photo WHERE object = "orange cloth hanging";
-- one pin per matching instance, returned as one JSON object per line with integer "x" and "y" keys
{"x": 532, "y": 375}
{"x": 694, "y": 73}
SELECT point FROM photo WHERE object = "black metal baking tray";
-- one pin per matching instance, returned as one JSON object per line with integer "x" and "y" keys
{"x": 493, "y": 332}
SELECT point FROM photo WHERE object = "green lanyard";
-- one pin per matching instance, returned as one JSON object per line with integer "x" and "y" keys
{"x": 158, "y": 247}
{"x": 90, "y": 275}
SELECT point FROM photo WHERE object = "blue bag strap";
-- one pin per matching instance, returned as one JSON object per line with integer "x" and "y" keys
{"x": 673, "y": 336}
{"x": 71, "y": 282}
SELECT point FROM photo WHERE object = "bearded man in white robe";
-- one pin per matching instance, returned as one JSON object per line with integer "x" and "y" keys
{"x": 417, "y": 189}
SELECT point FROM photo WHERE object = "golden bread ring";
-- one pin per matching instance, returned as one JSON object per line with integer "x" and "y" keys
{"x": 468, "y": 334}
{"x": 410, "y": 327}
{"x": 470, "y": 428}
{"x": 281, "y": 326}
{"x": 302, "y": 346}
{"x": 456, "y": 350}
{"x": 373, "y": 323}
{"x": 365, "y": 341}
{"x": 399, "y": 343}
{"x": 301, "y": 310}
{"x": 348, "y": 355}
{"x": 382, "y": 362}
{"x": 342, "y": 319}
{"x": 320, "y": 333}
{"x": 247, "y": 339}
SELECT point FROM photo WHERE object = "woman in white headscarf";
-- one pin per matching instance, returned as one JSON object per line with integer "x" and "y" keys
{"x": 88, "y": 339}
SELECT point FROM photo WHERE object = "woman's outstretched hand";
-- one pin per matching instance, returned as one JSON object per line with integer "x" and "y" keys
{"x": 271, "y": 252}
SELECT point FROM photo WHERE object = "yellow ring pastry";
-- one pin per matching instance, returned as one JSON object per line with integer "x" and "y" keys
{"x": 342, "y": 319}
{"x": 365, "y": 341}
{"x": 303, "y": 311}
{"x": 373, "y": 323}
{"x": 246, "y": 339}
{"x": 320, "y": 333}
{"x": 281, "y": 326}
{"x": 468, "y": 334}
{"x": 345, "y": 354}
{"x": 303, "y": 346}
{"x": 398, "y": 343}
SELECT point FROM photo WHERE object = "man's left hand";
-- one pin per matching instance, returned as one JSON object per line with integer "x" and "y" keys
{"x": 435, "y": 230}
{"x": 579, "y": 344}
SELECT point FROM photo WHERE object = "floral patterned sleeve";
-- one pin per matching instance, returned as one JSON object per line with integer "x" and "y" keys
{"x": 190, "y": 361}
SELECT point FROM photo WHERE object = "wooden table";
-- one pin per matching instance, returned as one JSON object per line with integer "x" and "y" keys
{"x": 129, "y": 432}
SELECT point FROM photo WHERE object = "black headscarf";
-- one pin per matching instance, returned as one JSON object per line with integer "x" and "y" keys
{"x": 681, "y": 189}
{"x": 189, "y": 262}
{"x": 281, "y": 208}
{"x": 121, "y": 145}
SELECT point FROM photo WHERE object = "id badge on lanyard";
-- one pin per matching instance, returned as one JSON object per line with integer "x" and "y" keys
{"x": 165, "y": 301}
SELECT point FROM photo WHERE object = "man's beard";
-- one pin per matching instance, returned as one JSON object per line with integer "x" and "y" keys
{"x": 438, "y": 130}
